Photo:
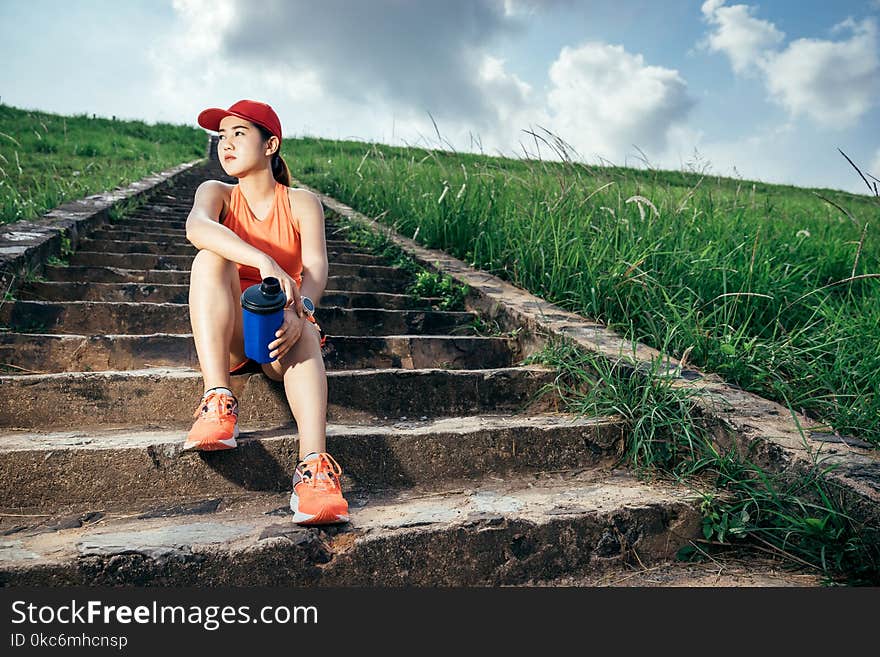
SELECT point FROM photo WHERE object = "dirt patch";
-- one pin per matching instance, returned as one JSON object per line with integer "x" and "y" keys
{"x": 726, "y": 573}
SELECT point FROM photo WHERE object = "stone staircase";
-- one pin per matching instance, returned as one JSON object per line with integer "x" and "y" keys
{"x": 457, "y": 471}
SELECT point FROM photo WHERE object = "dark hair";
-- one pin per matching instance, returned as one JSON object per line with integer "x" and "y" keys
{"x": 279, "y": 166}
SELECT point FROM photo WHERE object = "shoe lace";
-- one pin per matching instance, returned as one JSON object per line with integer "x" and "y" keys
{"x": 326, "y": 465}
{"x": 224, "y": 403}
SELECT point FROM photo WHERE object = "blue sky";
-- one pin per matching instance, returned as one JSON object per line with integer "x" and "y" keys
{"x": 764, "y": 91}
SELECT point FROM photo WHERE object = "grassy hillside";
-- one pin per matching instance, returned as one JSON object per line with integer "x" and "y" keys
{"x": 754, "y": 281}
{"x": 771, "y": 286}
{"x": 774, "y": 287}
{"x": 47, "y": 159}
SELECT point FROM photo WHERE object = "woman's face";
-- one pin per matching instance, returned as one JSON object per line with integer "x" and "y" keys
{"x": 240, "y": 140}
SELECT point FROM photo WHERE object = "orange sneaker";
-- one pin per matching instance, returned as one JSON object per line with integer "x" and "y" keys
{"x": 317, "y": 494}
{"x": 216, "y": 425}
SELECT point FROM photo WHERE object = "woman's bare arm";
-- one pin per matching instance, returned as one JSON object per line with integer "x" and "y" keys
{"x": 314, "y": 246}
{"x": 204, "y": 230}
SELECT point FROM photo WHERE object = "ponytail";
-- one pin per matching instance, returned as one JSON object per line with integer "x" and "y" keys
{"x": 279, "y": 166}
{"x": 280, "y": 170}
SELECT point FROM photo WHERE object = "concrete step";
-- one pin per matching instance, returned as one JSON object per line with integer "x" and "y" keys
{"x": 131, "y": 260}
{"x": 117, "y": 232}
{"x": 179, "y": 237}
{"x": 183, "y": 248}
{"x": 164, "y": 208}
{"x": 45, "y": 471}
{"x": 178, "y": 222}
{"x": 475, "y": 532}
{"x": 157, "y": 293}
{"x": 135, "y": 318}
{"x": 166, "y": 397}
{"x": 150, "y": 224}
{"x": 161, "y": 213}
{"x": 173, "y": 246}
{"x": 396, "y": 282}
{"x": 168, "y": 206}
{"x": 155, "y": 222}
{"x": 184, "y": 263}
{"x": 23, "y": 353}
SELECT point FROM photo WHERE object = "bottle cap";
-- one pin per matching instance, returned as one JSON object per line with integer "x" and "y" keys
{"x": 264, "y": 298}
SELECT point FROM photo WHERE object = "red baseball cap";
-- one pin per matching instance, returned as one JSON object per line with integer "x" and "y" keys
{"x": 252, "y": 110}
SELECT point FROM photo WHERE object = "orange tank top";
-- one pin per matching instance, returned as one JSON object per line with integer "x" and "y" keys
{"x": 277, "y": 235}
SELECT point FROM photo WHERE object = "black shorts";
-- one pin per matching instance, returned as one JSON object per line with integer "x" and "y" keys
{"x": 247, "y": 366}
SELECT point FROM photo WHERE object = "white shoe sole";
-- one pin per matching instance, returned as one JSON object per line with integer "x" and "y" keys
{"x": 298, "y": 516}
{"x": 229, "y": 442}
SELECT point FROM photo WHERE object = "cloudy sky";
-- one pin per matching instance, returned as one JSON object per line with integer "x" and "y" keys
{"x": 760, "y": 91}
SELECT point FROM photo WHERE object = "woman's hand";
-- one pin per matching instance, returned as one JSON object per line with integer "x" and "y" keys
{"x": 288, "y": 334}
{"x": 291, "y": 290}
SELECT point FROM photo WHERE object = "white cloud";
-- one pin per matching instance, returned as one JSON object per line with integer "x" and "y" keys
{"x": 604, "y": 100}
{"x": 506, "y": 92}
{"x": 834, "y": 83}
{"x": 767, "y": 154}
{"x": 191, "y": 71}
{"x": 394, "y": 62}
{"x": 421, "y": 54}
{"x": 745, "y": 40}
{"x": 357, "y": 75}
{"x": 206, "y": 22}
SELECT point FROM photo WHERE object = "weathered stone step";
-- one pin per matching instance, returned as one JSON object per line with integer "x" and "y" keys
{"x": 184, "y": 263}
{"x": 128, "y": 221}
{"x": 158, "y": 293}
{"x": 116, "y": 232}
{"x": 393, "y": 283}
{"x": 478, "y": 532}
{"x": 179, "y": 237}
{"x": 131, "y": 260}
{"x": 169, "y": 206}
{"x": 179, "y": 223}
{"x": 170, "y": 215}
{"x": 186, "y": 249}
{"x": 173, "y": 246}
{"x": 149, "y": 224}
{"x": 135, "y": 318}
{"x": 166, "y": 397}
{"x": 24, "y": 353}
{"x": 46, "y": 471}
{"x": 162, "y": 212}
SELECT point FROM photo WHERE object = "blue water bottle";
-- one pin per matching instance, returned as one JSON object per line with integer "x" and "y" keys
{"x": 262, "y": 308}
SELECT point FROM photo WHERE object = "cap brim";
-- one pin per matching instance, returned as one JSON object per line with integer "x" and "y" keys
{"x": 210, "y": 118}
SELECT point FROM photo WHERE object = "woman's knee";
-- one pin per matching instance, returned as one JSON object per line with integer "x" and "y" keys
{"x": 206, "y": 260}
{"x": 307, "y": 345}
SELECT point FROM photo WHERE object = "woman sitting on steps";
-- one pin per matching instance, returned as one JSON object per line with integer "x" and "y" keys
{"x": 244, "y": 233}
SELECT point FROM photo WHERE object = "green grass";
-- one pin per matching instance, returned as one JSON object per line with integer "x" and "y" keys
{"x": 756, "y": 280}
{"x": 425, "y": 283}
{"x": 47, "y": 159}
{"x": 742, "y": 506}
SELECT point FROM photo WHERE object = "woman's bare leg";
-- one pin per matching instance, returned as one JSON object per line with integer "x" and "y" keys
{"x": 215, "y": 315}
{"x": 305, "y": 385}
